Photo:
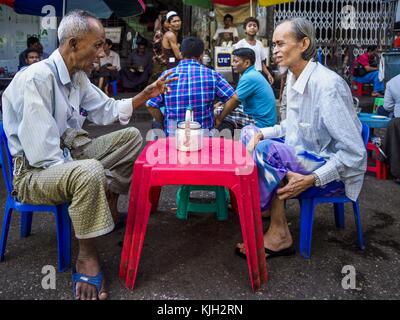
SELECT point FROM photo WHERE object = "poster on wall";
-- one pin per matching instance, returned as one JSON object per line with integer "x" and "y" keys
{"x": 114, "y": 34}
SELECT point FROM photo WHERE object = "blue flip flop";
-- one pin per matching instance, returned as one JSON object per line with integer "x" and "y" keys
{"x": 84, "y": 278}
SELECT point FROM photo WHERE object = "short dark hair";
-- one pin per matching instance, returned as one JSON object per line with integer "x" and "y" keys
{"x": 109, "y": 42}
{"x": 245, "y": 54}
{"x": 371, "y": 48}
{"x": 32, "y": 40}
{"x": 251, "y": 19}
{"x": 28, "y": 51}
{"x": 142, "y": 42}
{"x": 192, "y": 47}
{"x": 227, "y": 16}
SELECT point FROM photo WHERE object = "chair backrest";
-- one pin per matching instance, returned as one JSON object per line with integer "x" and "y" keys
{"x": 365, "y": 133}
{"x": 5, "y": 159}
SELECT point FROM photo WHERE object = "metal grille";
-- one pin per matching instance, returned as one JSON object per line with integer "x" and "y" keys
{"x": 343, "y": 24}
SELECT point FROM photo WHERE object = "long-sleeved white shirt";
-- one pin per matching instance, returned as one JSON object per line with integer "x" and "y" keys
{"x": 43, "y": 101}
{"x": 321, "y": 119}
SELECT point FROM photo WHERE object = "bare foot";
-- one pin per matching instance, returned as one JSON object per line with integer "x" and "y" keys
{"x": 85, "y": 291}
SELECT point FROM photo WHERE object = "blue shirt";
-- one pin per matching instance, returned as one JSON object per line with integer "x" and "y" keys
{"x": 257, "y": 98}
{"x": 197, "y": 87}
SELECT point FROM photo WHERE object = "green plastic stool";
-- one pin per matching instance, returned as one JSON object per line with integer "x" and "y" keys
{"x": 378, "y": 102}
{"x": 219, "y": 205}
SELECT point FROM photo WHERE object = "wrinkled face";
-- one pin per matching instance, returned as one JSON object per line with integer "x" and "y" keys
{"x": 89, "y": 47}
{"x": 287, "y": 50}
{"x": 240, "y": 65}
{"x": 251, "y": 28}
{"x": 175, "y": 23}
{"x": 228, "y": 22}
{"x": 32, "y": 58}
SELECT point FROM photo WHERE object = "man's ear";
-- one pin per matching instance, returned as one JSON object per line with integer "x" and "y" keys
{"x": 73, "y": 42}
{"x": 306, "y": 43}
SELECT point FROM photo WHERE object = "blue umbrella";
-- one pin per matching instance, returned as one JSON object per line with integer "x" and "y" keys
{"x": 101, "y": 8}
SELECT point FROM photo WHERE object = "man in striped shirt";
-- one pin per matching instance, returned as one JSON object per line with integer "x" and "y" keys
{"x": 197, "y": 87}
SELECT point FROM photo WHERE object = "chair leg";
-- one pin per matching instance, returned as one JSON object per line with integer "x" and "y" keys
{"x": 182, "y": 200}
{"x": 357, "y": 218}
{"x": 222, "y": 204}
{"x": 339, "y": 215}
{"x": 63, "y": 225}
{"x": 155, "y": 198}
{"x": 26, "y": 223}
{"x": 4, "y": 230}
{"x": 306, "y": 224}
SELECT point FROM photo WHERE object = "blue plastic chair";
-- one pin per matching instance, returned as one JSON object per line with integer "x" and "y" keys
{"x": 313, "y": 196}
{"x": 63, "y": 222}
{"x": 114, "y": 87}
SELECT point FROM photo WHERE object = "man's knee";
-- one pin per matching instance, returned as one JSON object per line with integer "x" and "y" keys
{"x": 132, "y": 134}
{"x": 90, "y": 171}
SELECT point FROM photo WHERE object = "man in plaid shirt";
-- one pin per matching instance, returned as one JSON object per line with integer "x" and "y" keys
{"x": 197, "y": 87}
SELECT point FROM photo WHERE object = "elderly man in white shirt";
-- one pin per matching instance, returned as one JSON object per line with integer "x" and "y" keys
{"x": 322, "y": 133}
{"x": 54, "y": 159}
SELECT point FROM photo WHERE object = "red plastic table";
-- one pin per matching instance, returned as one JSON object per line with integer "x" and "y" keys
{"x": 221, "y": 162}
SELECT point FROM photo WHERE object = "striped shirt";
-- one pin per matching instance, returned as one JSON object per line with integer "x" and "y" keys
{"x": 321, "y": 119}
{"x": 197, "y": 87}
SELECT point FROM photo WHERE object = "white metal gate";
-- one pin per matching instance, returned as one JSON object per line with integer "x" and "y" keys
{"x": 341, "y": 24}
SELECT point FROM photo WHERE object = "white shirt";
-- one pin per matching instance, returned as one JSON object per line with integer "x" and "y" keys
{"x": 232, "y": 30}
{"x": 321, "y": 119}
{"x": 392, "y": 96}
{"x": 113, "y": 59}
{"x": 258, "y": 49}
{"x": 42, "y": 101}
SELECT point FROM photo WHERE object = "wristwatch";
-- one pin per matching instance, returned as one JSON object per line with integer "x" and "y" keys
{"x": 317, "y": 181}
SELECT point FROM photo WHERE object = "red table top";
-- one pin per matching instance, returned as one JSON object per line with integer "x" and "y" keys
{"x": 217, "y": 154}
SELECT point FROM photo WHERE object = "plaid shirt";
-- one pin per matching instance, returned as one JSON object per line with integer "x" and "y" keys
{"x": 197, "y": 86}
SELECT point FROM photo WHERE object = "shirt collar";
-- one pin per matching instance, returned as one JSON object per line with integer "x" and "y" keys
{"x": 305, "y": 75}
{"x": 250, "y": 69}
{"x": 188, "y": 61}
{"x": 61, "y": 67}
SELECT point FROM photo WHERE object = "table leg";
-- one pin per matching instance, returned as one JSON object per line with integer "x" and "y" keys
{"x": 139, "y": 229}
{"x": 132, "y": 209}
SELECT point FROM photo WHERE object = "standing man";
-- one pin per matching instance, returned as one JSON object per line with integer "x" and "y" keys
{"x": 197, "y": 87}
{"x": 32, "y": 43}
{"x": 170, "y": 45}
{"x": 54, "y": 160}
{"x": 253, "y": 92}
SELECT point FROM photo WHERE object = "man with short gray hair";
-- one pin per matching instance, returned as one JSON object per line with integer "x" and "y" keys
{"x": 323, "y": 142}
{"x": 54, "y": 159}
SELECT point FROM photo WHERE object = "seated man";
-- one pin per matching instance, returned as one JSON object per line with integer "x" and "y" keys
{"x": 54, "y": 160}
{"x": 322, "y": 133}
{"x": 197, "y": 87}
{"x": 137, "y": 74}
{"x": 253, "y": 91}
{"x": 31, "y": 56}
{"x": 391, "y": 104}
{"x": 365, "y": 70}
{"x": 228, "y": 33}
{"x": 111, "y": 62}
{"x": 32, "y": 43}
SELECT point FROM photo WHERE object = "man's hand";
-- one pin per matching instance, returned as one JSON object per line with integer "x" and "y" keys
{"x": 297, "y": 183}
{"x": 254, "y": 141}
{"x": 218, "y": 122}
{"x": 159, "y": 86}
{"x": 270, "y": 78}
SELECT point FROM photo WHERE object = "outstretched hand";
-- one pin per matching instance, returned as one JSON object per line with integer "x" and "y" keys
{"x": 160, "y": 86}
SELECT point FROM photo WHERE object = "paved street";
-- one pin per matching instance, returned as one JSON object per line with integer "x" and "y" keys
{"x": 195, "y": 259}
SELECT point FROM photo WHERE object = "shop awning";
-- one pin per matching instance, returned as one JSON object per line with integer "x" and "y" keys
{"x": 101, "y": 8}
{"x": 267, "y": 3}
